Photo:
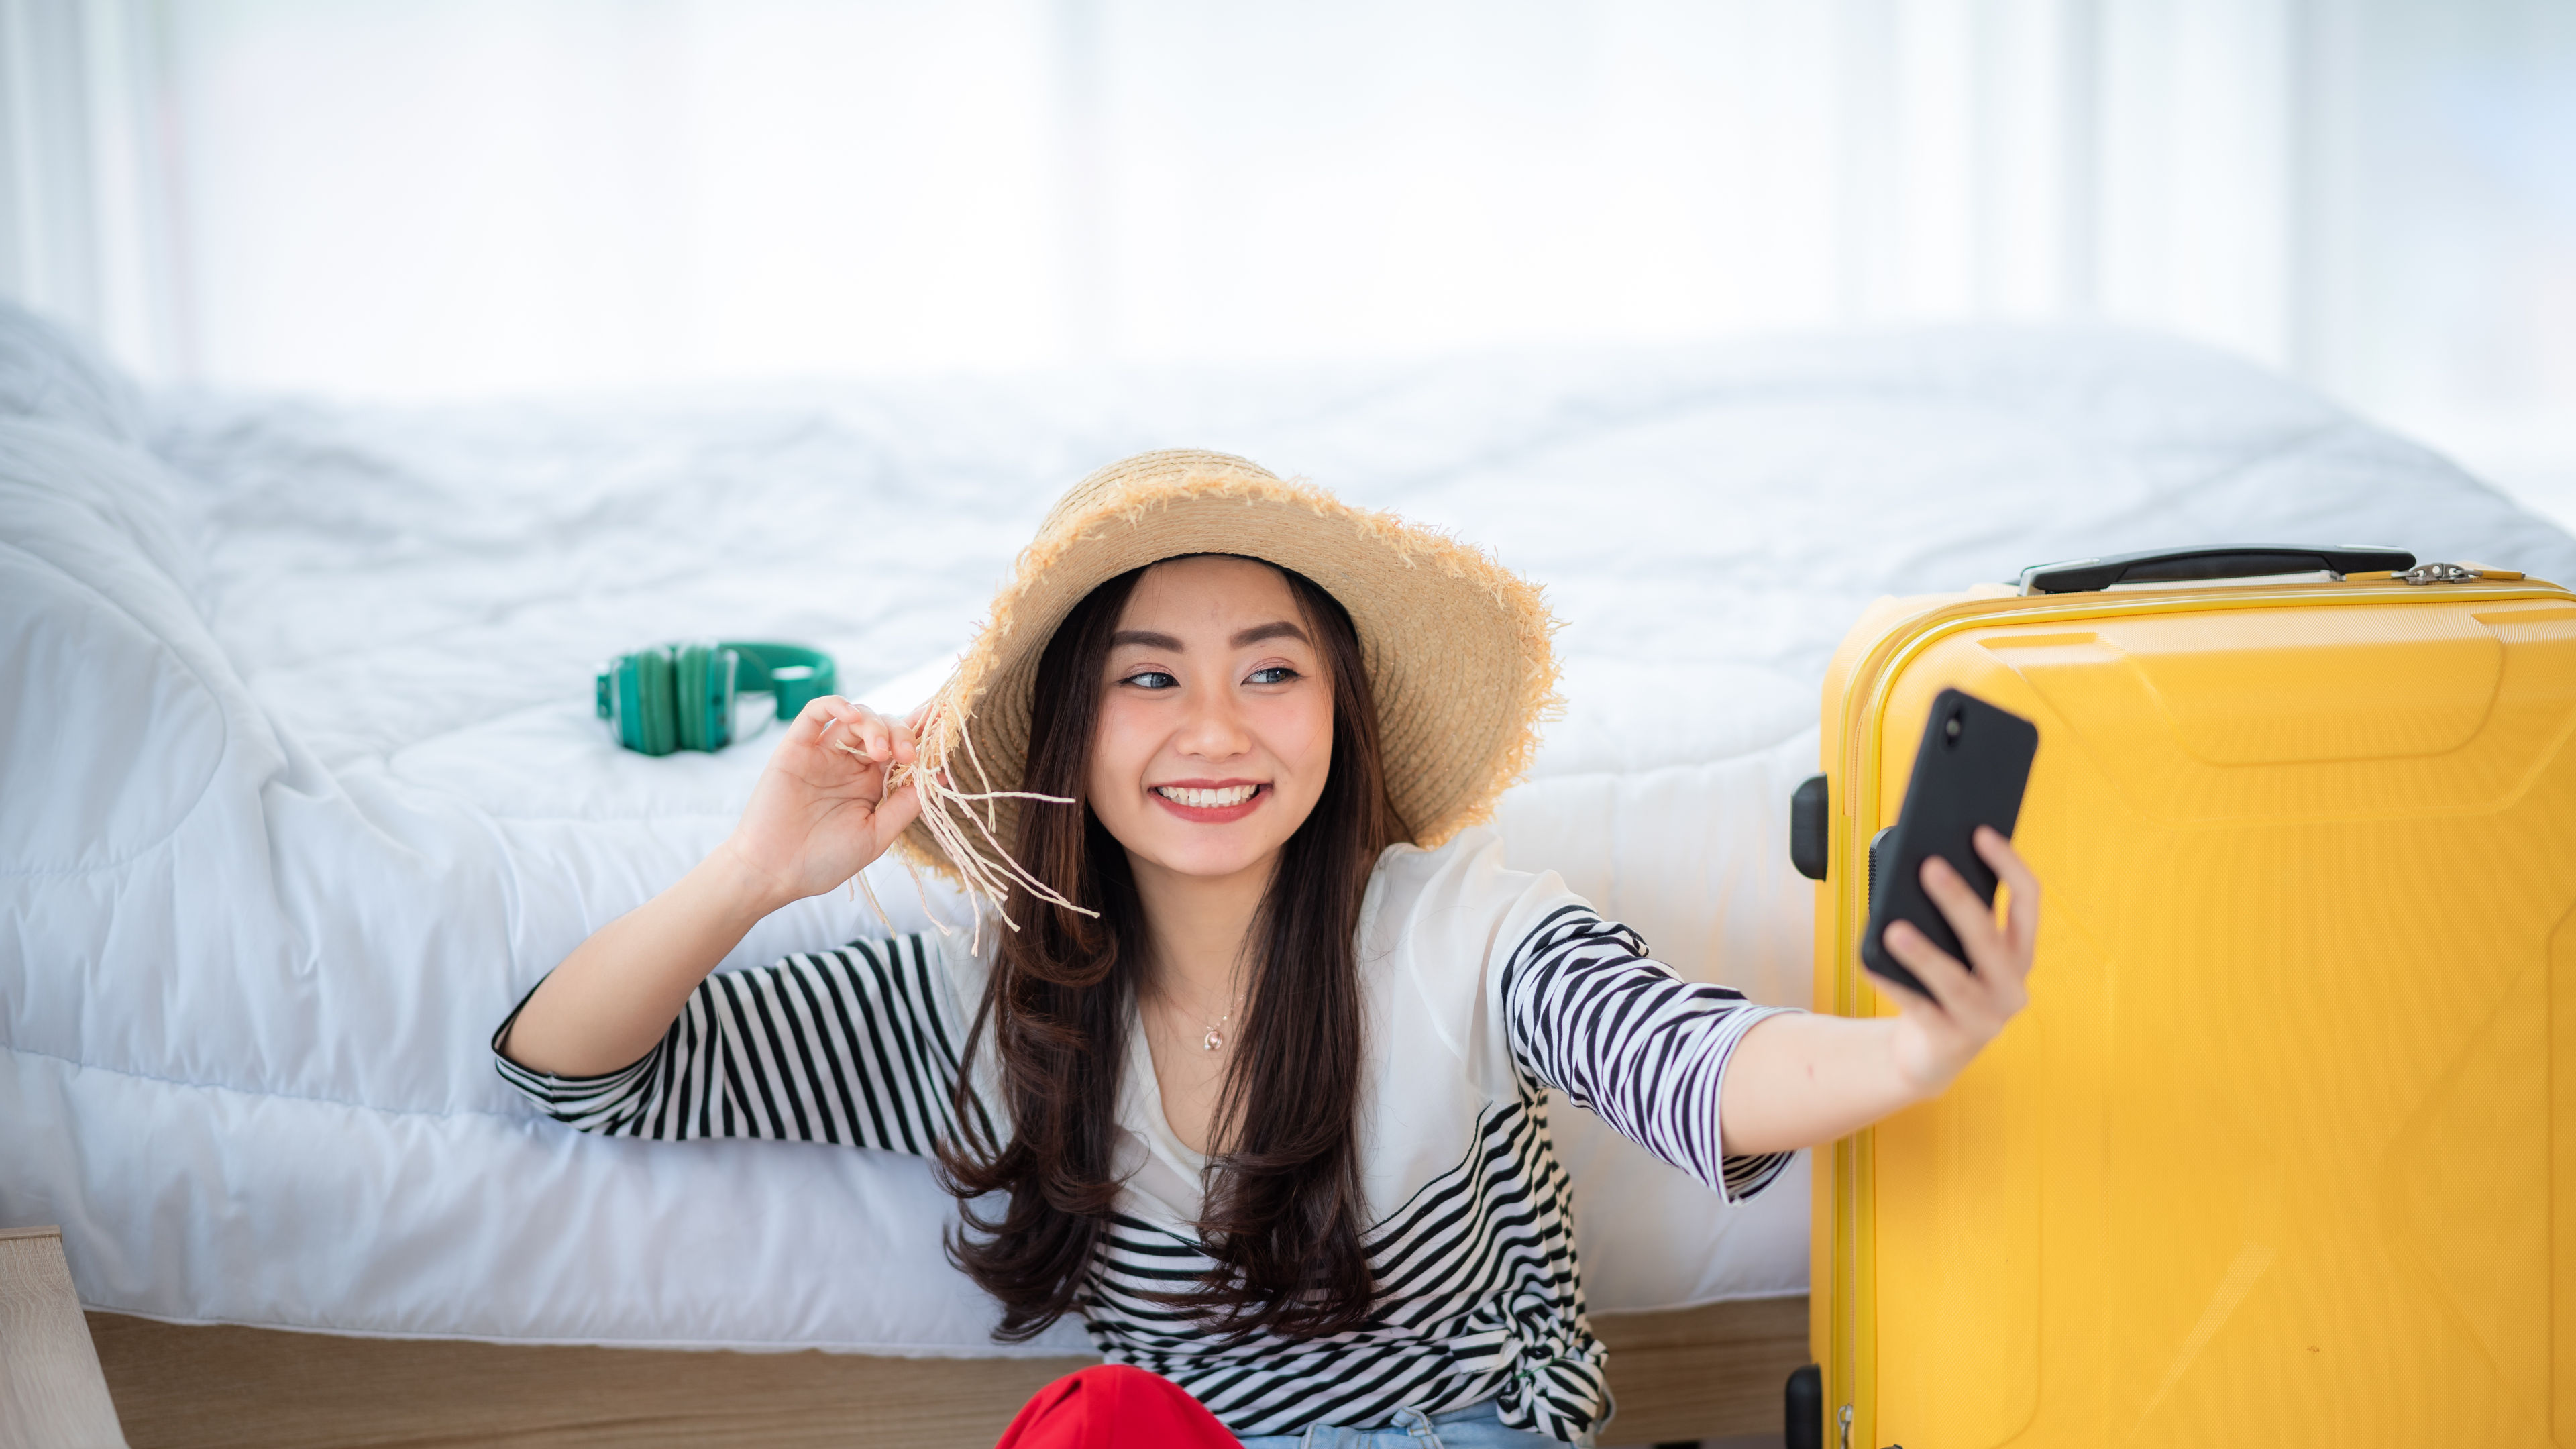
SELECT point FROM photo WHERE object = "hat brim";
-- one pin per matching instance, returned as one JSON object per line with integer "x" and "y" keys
{"x": 1457, "y": 647}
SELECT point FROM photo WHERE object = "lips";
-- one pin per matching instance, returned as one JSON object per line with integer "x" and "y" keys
{"x": 1210, "y": 802}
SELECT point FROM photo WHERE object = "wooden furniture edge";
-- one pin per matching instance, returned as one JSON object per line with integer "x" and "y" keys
{"x": 7, "y": 1234}
{"x": 1702, "y": 1373}
{"x": 52, "y": 1394}
{"x": 1681, "y": 1374}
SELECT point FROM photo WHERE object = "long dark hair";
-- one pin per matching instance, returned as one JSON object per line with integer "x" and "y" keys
{"x": 1283, "y": 1212}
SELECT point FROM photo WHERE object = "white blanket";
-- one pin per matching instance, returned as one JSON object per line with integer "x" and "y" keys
{"x": 299, "y": 786}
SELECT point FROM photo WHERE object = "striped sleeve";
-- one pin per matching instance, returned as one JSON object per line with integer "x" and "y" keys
{"x": 848, "y": 1046}
{"x": 1590, "y": 1015}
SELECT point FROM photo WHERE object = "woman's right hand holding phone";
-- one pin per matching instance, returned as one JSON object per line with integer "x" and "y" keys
{"x": 1939, "y": 1033}
{"x": 1799, "y": 1080}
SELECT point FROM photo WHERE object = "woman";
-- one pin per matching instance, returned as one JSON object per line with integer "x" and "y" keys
{"x": 1248, "y": 1071}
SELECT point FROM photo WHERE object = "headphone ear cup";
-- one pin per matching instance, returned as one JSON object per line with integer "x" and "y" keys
{"x": 702, "y": 691}
{"x": 688, "y": 691}
{"x": 656, "y": 727}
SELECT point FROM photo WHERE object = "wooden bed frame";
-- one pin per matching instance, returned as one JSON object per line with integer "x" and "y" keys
{"x": 1689, "y": 1373}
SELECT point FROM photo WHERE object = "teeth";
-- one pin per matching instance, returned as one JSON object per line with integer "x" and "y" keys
{"x": 1206, "y": 799}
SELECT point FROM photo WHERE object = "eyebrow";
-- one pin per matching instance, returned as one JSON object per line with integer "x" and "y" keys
{"x": 1148, "y": 639}
{"x": 1275, "y": 629}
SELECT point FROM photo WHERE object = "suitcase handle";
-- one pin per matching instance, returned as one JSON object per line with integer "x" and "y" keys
{"x": 2220, "y": 561}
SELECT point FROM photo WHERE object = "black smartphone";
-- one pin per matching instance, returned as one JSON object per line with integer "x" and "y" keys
{"x": 1971, "y": 769}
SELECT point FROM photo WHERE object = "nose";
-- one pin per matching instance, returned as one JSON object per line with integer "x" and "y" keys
{"x": 1214, "y": 728}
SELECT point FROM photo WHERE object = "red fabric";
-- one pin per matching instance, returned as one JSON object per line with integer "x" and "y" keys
{"x": 1115, "y": 1406}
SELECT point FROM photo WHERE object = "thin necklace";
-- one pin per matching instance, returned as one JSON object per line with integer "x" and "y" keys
{"x": 1215, "y": 1038}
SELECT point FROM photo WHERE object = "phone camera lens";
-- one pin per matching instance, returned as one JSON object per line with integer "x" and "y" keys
{"x": 1952, "y": 729}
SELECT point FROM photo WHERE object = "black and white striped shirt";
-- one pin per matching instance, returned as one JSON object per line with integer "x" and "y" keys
{"x": 1486, "y": 989}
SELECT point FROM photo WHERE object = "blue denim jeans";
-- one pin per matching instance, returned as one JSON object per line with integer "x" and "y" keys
{"x": 1480, "y": 1427}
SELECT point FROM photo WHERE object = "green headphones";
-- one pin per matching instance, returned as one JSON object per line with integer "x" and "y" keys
{"x": 680, "y": 696}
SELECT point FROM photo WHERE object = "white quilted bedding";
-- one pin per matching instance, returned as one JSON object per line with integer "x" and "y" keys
{"x": 299, "y": 787}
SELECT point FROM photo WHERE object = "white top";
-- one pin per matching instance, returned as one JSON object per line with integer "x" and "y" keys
{"x": 1484, "y": 988}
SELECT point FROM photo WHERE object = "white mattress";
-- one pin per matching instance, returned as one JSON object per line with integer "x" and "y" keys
{"x": 302, "y": 789}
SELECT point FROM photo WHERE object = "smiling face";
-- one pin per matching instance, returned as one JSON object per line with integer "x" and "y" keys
{"x": 1215, "y": 733}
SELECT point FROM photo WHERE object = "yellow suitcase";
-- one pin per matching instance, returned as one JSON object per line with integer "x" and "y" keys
{"x": 2284, "y": 1150}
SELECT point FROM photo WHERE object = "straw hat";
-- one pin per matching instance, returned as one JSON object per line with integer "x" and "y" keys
{"x": 1456, "y": 646}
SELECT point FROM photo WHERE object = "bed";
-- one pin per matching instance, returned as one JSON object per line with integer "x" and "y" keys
{"x": 304, "y": 789}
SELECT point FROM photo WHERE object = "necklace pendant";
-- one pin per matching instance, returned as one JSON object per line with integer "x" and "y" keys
{"x": 1212, "y": 1040}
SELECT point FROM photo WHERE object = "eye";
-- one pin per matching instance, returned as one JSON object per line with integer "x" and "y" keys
{"x": 1273, "y": 674}
{"x": 1151, "y": 679}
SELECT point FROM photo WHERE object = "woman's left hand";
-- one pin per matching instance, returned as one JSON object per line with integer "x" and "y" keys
{"x": 1938, "y": 1035}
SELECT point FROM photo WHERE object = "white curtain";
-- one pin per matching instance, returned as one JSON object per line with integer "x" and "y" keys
{"x": 85, "y": 229}
{"x": 498, "y": 195}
